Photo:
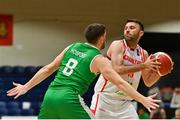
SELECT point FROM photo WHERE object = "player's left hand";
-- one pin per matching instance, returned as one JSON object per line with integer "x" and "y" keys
{"x": 151, "y": 103}
{"x": 17, "y": 91}
{"x": 152, "y": 63}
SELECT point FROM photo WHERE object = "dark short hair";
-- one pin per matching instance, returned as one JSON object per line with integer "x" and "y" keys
{"x": 94, "y": 31}
{"x": 136, "y": 21}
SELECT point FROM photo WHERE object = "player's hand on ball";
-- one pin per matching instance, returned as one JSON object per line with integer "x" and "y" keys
{"x": 152, "y": 63}
{"x": 17, "y": 91}
{"x": 166, "y": 63}
{"x": 151, "y": 103}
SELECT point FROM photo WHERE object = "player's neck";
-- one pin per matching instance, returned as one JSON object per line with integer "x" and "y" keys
{"x": 132, "y": 44}
{"x": 98, "y": 45}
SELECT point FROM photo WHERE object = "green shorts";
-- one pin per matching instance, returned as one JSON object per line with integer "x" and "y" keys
{"x": 63, "y": 103}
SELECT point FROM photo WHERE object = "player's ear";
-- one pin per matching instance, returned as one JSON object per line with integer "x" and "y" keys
{"x": 141, "y": 33}
{"x": 102, "y": 38}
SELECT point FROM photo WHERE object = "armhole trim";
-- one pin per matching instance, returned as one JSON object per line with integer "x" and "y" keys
{"x": 91, "y": 64}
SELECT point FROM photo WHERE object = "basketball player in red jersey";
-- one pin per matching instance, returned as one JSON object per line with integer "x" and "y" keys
{"x": 130, "y": 61}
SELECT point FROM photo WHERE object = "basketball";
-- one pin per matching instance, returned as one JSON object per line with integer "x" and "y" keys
{"x": 166, "y": 63}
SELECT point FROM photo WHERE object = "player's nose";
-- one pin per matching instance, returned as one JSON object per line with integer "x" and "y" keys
{"x": 127, "y": 31}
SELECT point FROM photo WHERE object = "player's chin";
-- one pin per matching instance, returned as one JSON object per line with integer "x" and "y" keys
{"x": 127, "y": 38}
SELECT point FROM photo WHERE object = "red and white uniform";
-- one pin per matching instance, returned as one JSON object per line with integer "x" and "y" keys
{"x": 108, "y": 101}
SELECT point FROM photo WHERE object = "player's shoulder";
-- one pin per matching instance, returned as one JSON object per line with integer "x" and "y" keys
{"x": 145, "y": 52}
{"x": 117, "y": 46}
{"x": 99, "y": 59}
{"x": 117, "y": 42}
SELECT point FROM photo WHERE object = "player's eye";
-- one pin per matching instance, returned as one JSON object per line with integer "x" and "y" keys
{"x": 132, "y": 27}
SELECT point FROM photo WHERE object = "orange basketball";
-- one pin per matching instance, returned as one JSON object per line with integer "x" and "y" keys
{"x": 166, "y": 63}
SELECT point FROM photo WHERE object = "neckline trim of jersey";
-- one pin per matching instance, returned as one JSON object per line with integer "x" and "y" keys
{"x": 91, "y": 46}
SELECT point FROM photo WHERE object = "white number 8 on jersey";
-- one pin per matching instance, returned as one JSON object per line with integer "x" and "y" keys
{"x": 71, "y": 64}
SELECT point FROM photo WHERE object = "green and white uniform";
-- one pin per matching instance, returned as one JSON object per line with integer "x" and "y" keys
{"x": 62, "y": 99}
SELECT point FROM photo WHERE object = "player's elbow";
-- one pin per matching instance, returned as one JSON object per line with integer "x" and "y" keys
{"x": 148, "y": 84}
{"x": 48, "y": 69}
{"x": 150, "y": 81}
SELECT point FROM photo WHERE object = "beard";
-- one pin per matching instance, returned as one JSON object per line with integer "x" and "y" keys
{"x": 126, "y": 37}
{"x": 131, "y": 38}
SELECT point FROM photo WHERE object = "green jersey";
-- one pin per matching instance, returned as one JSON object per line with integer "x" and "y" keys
{"x": 74, "y": 70}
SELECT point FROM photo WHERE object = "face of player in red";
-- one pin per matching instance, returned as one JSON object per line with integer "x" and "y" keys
{"x": 132, "y": 31}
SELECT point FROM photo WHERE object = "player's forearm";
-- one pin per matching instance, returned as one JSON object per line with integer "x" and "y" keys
{"x": 150, "y": 77}
{"x": 123, "y": 85}
{"x": 125, "y": 69}
{"x": 130, "y": 91}
{"x": 41, "y": 75}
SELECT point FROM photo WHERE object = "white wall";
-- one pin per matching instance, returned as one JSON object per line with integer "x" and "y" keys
{"x": 167, "y": 27}
{"x": 38, "y": 42}
{"x": 42, "y": 28}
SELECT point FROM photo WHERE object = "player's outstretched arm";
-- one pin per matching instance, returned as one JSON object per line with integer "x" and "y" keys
{"x": 41, "y": 75}
{"x": 102, "y": 65}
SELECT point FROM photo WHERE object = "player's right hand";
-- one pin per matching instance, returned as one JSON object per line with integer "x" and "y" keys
{"x": 17, "y": 91}
{"x": 151, "y": 103}
{"x": 152, "y": 63}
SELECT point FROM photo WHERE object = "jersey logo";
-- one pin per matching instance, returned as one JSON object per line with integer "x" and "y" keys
{"x": 130, "y": 59}
{"x": 78, "y": 53}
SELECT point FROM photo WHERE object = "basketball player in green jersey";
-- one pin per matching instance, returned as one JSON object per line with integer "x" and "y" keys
{"x": 77, "y": 66}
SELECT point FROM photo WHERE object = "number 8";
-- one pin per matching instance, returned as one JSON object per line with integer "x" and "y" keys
{"x": 71, "y": 64}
